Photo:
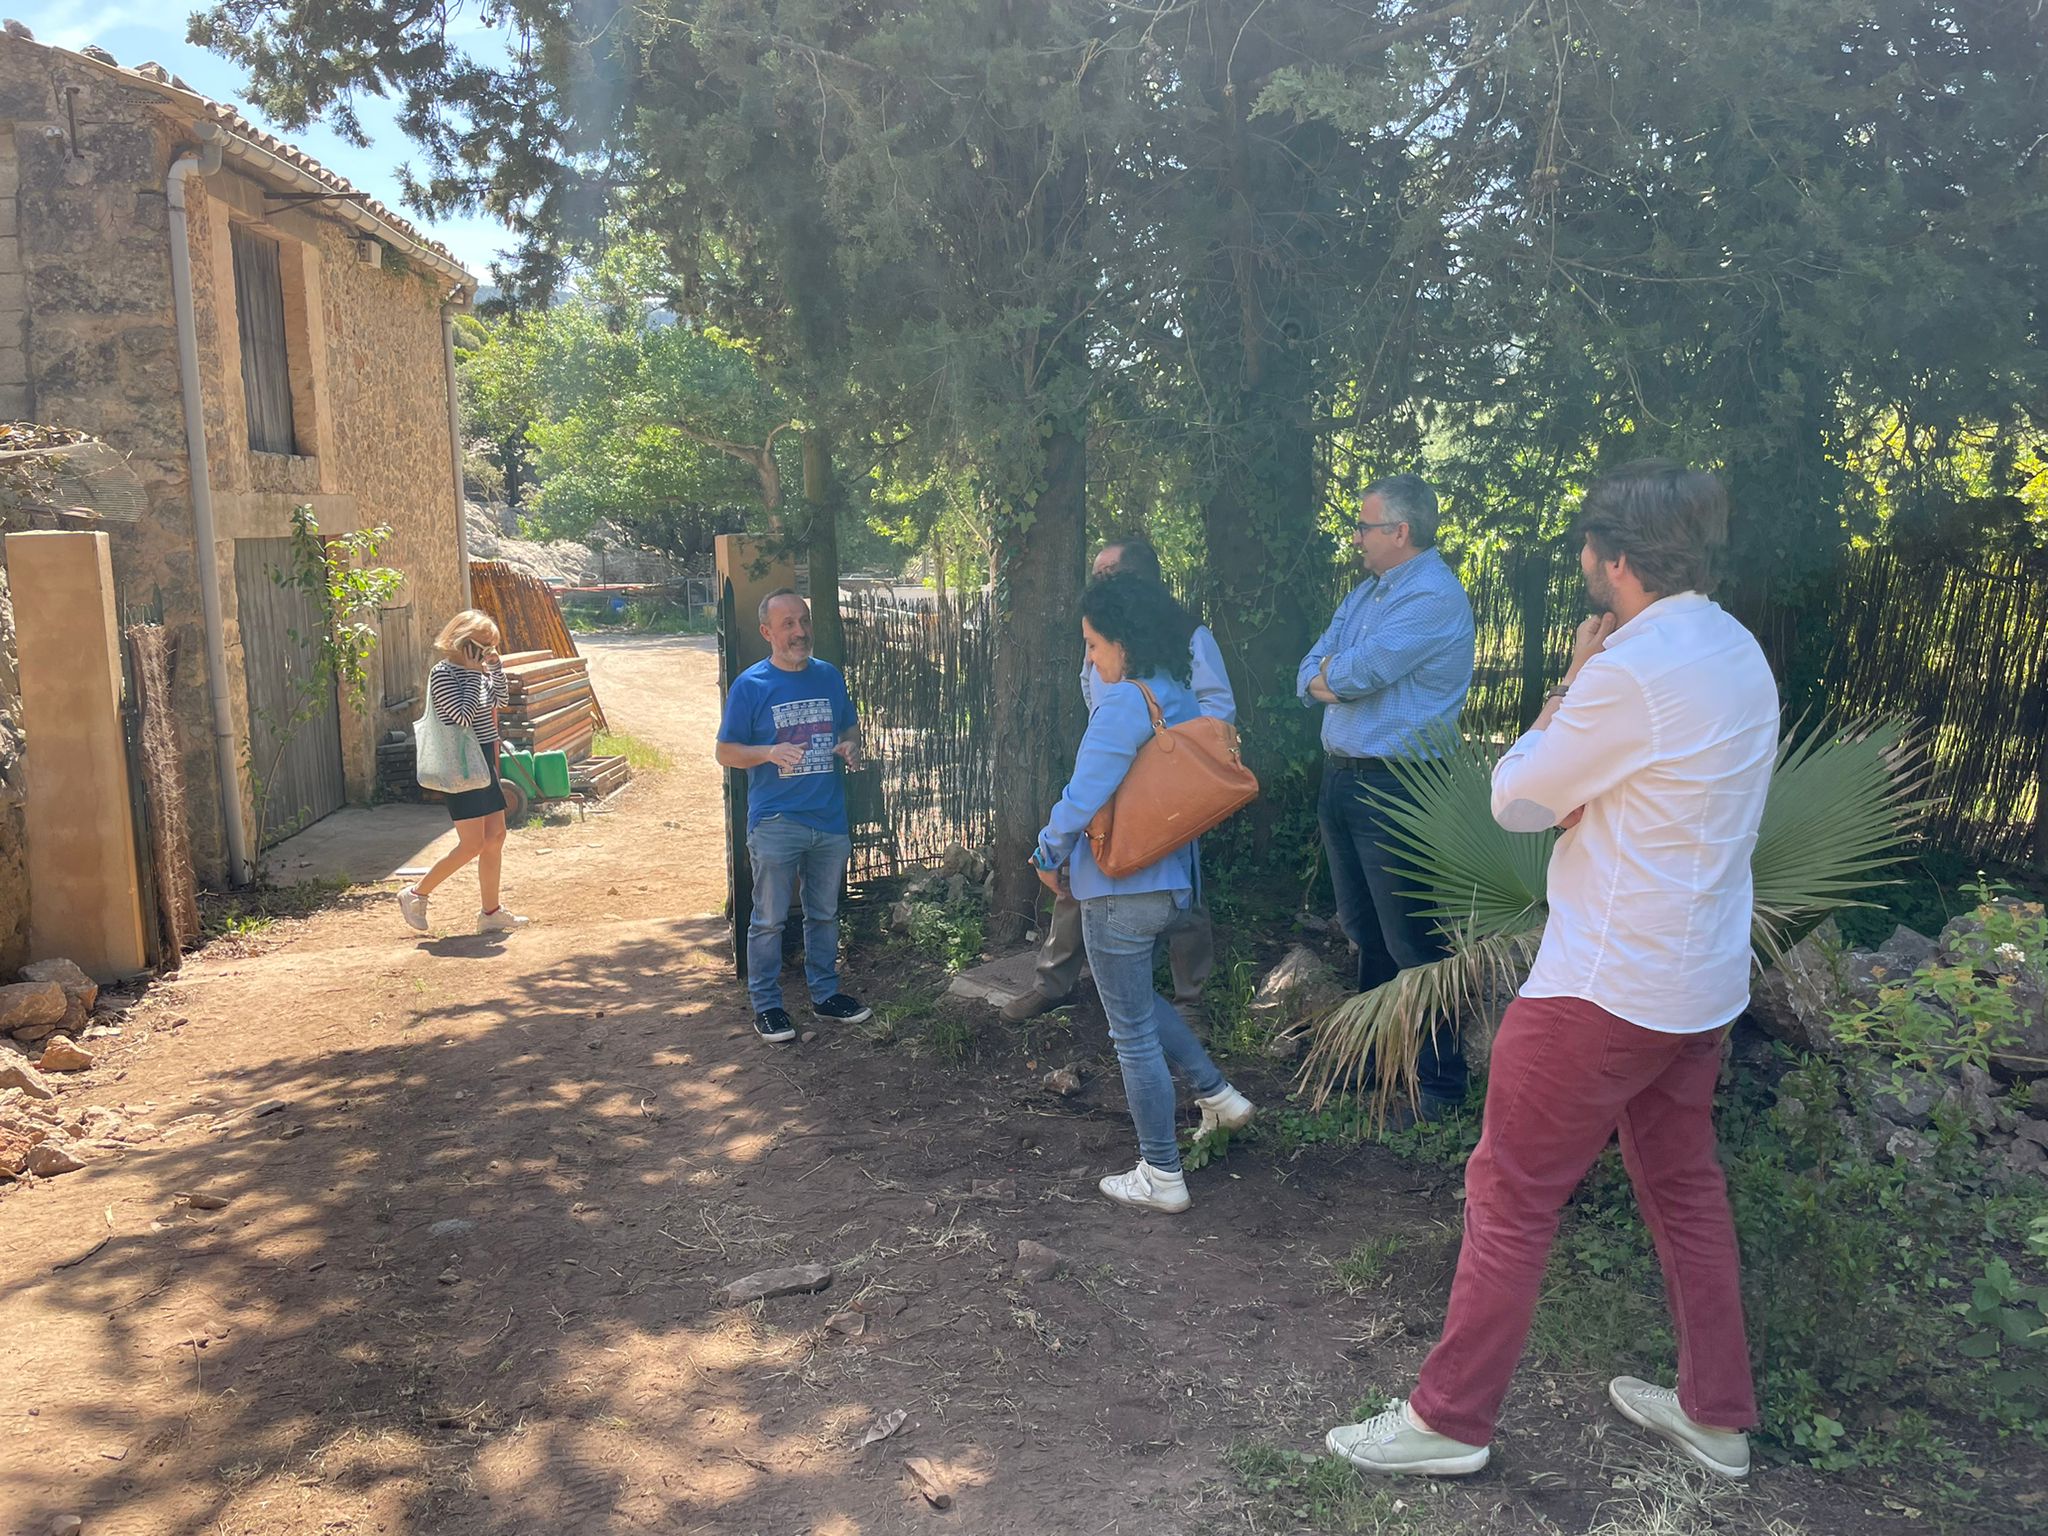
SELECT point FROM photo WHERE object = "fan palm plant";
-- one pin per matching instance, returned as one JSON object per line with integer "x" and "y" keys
{"x": 1843, "y": 801}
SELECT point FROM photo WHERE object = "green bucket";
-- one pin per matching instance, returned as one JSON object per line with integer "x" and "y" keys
{"x": 551, "y": 772}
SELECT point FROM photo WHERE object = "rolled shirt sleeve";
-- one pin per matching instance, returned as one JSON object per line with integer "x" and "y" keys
{"x": 1312, "y": 663}
{"x": 1601, "y": 734}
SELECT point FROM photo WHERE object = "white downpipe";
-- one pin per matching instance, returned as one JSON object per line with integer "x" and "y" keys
{"x": 448, "y": 309}
{"x": 205, "y": 162}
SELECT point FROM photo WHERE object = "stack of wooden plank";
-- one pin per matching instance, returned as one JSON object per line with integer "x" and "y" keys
{"x": 599, "y": 777}
{"x": 528, "y": 617}
{"x": 552, "y": 708}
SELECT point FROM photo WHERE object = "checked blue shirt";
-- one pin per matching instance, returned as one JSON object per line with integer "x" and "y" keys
{"x": 1400, "y": 652}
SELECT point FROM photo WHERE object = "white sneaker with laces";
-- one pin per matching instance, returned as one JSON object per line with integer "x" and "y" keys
{"x": 1225, "y": 1109}
{"x": 501, "y": 921}
{"x": 1655, "y": 1408}
{"x": 412, "y": 906}
{"x": 1392, "y": 1442}
{"x": 1148, "y": 1188}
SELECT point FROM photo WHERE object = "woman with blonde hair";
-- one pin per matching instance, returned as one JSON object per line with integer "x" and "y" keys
{"x": 466, "y": 689}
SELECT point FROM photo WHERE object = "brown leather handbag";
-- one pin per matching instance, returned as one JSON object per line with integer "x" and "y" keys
{"x": 1185, "y": 780}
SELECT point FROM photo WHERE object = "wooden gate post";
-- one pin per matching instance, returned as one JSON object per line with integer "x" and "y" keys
{"x": 85, "y": 887}
{"x": 748, "y": 570}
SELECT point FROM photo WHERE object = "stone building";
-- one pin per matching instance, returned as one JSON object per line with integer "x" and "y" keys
{"x": 254, "y": 334}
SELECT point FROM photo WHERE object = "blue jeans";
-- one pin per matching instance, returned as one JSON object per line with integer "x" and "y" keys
{"x": 1374, "y": 909}
{"x": 1147, "y": 1032}
{"x": 782, "y": 850}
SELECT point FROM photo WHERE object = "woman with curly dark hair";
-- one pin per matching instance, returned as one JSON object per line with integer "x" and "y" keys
{"x": 1136, "y": 634}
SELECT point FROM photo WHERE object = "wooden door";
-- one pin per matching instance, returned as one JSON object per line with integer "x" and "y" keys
{"x": 277, "y": 651}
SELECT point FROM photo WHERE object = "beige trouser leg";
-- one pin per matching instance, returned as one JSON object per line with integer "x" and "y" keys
{"x": 1190, "y": 949}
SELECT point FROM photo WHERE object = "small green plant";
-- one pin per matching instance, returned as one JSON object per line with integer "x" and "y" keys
{"x": 949, "y": 1035}
{"x": 640, "y": 756}
{"x": 257, "y": 909}
{"x": 1368, "y": 1266}
{"x": 1322, "y": 1493}
{"x": 948, "y": 935}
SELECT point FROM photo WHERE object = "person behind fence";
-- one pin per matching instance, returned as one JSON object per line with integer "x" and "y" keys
{"x": 1654, "y": 754}
{"x": 1191, "y": 941}
{"x": 466, "y": 688}
{"x": 789, "y": 725}
{"x": 1134, "y": 630}
{"x": 1391, "y": 674}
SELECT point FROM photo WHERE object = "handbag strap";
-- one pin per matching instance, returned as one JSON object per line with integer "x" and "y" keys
{"x": 1158, "y": 716}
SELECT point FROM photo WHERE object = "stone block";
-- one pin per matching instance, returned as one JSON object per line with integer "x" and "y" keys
{"x": 121, "y": 153}
{"x": 10, "y": 215}
{"x": 13, "y": 290}
{"x": 10, "y": 248}
{"x": 62, "y": 222}
{"x": 13, "y": 366}
{"x": 79, "y": 365}
{"x": 14, "y": 402}
{"x": 92, "y": 285}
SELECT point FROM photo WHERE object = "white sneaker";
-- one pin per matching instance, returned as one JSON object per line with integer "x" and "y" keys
{"x": 1225, "y": 1109}
{"x": 1147, "y": 1188}
{"x": 412, "y": 906}
{"x": 1393, "y": 1442}
{"x": 1655, "y": 1408}
{"x": 500, "y": 921}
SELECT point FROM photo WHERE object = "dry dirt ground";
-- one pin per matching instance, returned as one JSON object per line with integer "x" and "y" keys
{"x": 464, "y": 1279}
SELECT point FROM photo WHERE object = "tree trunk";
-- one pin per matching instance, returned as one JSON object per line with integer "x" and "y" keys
{"x": 1037, "y": 713}
{"x": 821, "y": 539}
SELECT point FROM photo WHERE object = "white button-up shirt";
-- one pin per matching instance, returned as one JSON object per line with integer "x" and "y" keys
{"x": 1667, "y": 738}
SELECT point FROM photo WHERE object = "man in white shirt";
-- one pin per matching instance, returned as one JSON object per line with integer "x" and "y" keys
{"x": 1191, "y": 941}
{"x": 1654, "y": 755}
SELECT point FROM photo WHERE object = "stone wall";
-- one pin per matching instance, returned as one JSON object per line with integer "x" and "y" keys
{"x": 13, "y": 848}
{"x": 85, "y": 220}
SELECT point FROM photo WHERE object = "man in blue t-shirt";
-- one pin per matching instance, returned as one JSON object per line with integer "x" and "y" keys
{"x": 789, "y": 725}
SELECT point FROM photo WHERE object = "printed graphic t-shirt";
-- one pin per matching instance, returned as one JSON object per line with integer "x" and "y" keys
{"x": 767, "y": 706}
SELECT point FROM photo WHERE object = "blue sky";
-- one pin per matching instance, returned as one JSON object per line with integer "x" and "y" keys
{"x": 135, "y": 34}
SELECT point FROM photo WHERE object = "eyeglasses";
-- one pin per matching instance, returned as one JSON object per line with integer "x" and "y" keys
{"x": 1368, "y": 527}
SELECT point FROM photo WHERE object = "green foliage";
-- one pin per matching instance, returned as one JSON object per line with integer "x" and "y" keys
{"x": 1368, "y": 1266}
{"x": 345, "y": 592}
{"x": 947, "y": 934}
{"x": 641, "y": 756}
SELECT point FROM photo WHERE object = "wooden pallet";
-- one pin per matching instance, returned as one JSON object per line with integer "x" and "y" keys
{"x": 600, "y": 777}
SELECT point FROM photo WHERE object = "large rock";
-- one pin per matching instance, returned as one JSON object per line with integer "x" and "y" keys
{"x": 1794, "y": 1000}
{"x": 17, "y": 1140}
{"x": 1906, "y": 951}
{"x": 1302, "y": 986}
{"x": 19, "y": 1074}
{"x": 54, "y": 1155}
{"x": 80, "y": 990}
{"x": 27, "y": 1004}
{"x": 777, "y": 1282}
{"x": 63, "y": 1054}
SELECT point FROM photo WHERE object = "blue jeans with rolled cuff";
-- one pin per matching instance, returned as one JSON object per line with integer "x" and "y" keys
{"x": 1143, "y": 1026}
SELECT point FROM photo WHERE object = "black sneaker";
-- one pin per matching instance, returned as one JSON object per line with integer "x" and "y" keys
{"x": 774, "y": 1026}
{"x": 841, "y": 1009}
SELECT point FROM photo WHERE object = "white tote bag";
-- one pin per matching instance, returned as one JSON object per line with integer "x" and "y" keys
{"x": 447, "y": 757}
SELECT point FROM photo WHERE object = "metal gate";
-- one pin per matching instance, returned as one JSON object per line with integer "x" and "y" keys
{"x": 306, "y": 783}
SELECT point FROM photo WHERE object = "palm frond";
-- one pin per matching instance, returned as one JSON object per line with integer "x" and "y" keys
{"x": 1469, "y": 874}
{"x": 1370, "y": 1045}
{"x": 1844, "y": 802}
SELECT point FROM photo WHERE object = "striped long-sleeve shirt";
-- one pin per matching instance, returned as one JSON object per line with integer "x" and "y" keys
{"x": 463, "y": 697}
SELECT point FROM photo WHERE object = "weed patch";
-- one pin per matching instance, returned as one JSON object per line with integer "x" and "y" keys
{"x": 640, "y": 756}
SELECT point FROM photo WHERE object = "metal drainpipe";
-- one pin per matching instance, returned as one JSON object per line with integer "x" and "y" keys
{"x": 205, "y": 162}
{"x": 456, "y": 300}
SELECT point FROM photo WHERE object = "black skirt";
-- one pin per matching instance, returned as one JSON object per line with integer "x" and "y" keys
{"x": 468, "y": 804}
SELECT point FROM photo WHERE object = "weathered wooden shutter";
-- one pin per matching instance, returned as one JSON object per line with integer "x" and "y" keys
{"x": 266, "y": 373}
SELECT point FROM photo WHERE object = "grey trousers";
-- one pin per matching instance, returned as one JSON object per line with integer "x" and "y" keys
{"x": 1190, "y": 950}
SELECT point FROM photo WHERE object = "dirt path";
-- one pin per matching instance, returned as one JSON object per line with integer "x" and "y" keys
{"x": 464, "y": 1278}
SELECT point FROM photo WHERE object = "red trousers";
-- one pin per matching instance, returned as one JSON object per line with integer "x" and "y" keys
{"x": 1565, "y": 1076}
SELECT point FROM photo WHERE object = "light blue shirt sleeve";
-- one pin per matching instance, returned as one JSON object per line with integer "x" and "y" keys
{"x": 1312, "y": 663}
{"x": 1211, "y": 681}
{"x": 1090, "y": 680}
{"x": 1416, "y": 622}
{"x": 1119, "y": 726}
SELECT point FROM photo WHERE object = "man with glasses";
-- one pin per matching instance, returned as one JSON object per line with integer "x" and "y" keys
{"x": 1391, "y": 673}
